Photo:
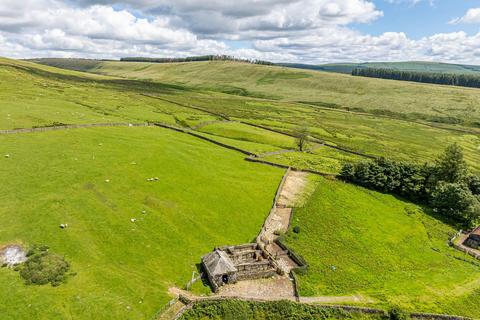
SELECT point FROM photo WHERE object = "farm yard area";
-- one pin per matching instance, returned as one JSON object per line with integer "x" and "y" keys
{"x": 124, "y": 175}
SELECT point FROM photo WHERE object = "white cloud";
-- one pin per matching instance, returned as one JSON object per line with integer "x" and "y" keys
{"x": 472, "y": 16}
{"x": 310, "y": 31}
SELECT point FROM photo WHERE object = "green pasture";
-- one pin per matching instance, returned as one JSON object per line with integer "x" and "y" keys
{"x": 358, "y": 241}
{"x": 338, "y": 90}
{"x": 95, "y": 180}
{"x": 243, "y": 132}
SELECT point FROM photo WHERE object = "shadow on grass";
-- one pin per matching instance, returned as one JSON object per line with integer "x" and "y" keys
{"x": 115, "y": 84}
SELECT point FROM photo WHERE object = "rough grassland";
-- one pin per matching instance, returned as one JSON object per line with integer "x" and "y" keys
{"x": 360, "y": 241}
{"x": 304, "y": 85}
{"x": 33, "y": 95}
{"x": 401, "y": 140}
{"x": 205, "y": 196}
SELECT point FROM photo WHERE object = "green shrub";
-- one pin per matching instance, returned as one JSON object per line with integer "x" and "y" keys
{"x": 234, "y": 309}
{"x": 296, "y": 229}
{"x": 456, "y": 201}
{"x": 396, "y": 313}
{"x": 474, "y": 184}
{"x": 43, "y": 267}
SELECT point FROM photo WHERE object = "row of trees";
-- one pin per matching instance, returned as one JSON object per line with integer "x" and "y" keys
{"x": 464, "y": 80}
{"x": 195, "y": 58}
{"x": 446, "y": 185}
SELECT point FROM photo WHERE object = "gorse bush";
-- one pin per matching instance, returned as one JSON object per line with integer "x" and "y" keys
{"x": 396, "y": 313}
{"x": 43, "y": 267}
{"x": 445, "y": 186}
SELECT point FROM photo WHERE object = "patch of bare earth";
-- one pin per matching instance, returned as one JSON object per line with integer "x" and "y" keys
{"x": 292, "y": 188}
{"x": 11, "y": 255}
{"x": 276, "y": 288}
{"x": 279, "y": 218}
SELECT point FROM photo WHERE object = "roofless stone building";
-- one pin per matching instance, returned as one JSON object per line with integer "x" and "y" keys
{"x": 230, "y": 264}
{"x": 473, "y": 240}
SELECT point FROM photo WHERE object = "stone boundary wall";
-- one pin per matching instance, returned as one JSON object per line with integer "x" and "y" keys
{"x": 365, "y": 310}
{"x": 248, "y": 153}
{"x": 459, "y": 246}
{"x": 224, "y": 117}
{"x": 74, "y": 126}
{"x": 299, "y": 260}
{"x": 315, "y": 140}
{"x": 283, "y": 166}
{"x": 466, "y": 250}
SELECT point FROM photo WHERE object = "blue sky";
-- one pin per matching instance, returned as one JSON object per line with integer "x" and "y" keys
{"x": 305, "y": 31}
{"x": 420, "y": 19}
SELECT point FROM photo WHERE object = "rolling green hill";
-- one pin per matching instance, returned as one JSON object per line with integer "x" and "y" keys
{"x": 34, "y": 95}
{"x": 397, "y": 99}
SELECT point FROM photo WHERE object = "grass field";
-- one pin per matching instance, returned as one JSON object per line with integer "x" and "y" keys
{"x": 288, "y": 84}
{"x": 358, "y": 241}
{"x": 205, "y": 196}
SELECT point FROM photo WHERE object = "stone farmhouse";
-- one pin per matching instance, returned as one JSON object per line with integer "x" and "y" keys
{"x": 229, "y": 264}
{"x": 473, "y": 240}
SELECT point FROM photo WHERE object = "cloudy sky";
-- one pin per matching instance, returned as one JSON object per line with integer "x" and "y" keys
{"x": 308, "y": 31}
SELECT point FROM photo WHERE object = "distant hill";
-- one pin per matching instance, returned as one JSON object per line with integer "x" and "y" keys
{"x": 417, "y": 66}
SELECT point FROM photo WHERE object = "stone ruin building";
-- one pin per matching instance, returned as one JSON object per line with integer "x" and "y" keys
{"x": 473, "y": 240}
{"x": 229, "y": 264}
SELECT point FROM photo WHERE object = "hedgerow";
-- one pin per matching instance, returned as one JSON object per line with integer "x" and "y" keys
{"x": 236, "y": 309}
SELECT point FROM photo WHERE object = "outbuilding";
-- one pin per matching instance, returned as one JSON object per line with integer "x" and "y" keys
{"x": 473, "y": 240}
{"x": 220, "y": 269}
{"x": 229, "y": 264}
